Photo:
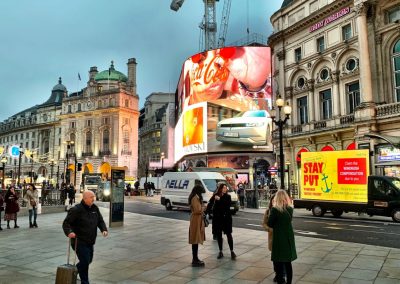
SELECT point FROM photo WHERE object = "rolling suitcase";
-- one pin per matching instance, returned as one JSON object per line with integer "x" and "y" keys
{"x": 67, "y": 273}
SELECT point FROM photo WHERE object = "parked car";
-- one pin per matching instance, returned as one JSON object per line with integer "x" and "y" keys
{"x": 251, "y": 127}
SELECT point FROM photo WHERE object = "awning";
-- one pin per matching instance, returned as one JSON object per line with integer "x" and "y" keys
{"x": 328, "y": 148}
{"x": 392, "y": 140}
{"x": 387, "y": 164}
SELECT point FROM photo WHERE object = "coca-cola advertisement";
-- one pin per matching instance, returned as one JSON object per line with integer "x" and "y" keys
{"x": 232, "y": 85}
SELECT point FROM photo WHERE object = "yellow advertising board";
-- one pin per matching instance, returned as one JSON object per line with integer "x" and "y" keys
{"x": 335, "y": 175}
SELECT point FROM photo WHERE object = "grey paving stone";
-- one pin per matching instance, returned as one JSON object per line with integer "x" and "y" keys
{"x": 361, "y": 274}
{"x": 254, "y": 273}
{"x": 321, "y": 276}
{"x": 365, "y": 262}
{"x": 343, "y": 280}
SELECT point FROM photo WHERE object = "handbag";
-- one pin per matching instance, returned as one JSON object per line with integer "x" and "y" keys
{"x": 32, "y": 202}
{"x": 206, "y": 222}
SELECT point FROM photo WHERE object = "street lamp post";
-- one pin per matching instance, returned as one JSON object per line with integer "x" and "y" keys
{"x": 4, "y": 161}
{"x": 51, "y": 170}
{"x": 287, "y": 109}
{"x": 31, "y": 155}
{"x": 162, "y": 160}
{"x": 69, "y": 143}
{"x": 19, "y": 165}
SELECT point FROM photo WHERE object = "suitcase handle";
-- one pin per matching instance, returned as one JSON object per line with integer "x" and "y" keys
{"x": 69, "y": 249}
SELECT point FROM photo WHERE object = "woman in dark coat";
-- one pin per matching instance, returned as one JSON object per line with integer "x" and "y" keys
{"x": 197, "y": 232}
{"x": 222, "y": 218}
{"x": 12, "y": 207}
{"x": 283, "y": 244}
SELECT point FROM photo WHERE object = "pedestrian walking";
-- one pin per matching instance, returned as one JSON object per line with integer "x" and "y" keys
{"x": 71, "y": 195}
{"x": 1, "y": 207}
{"x": 32, "y": 200}
{"x": 241, "y": 193}
{"x": 80, "y": 226}
{"x": 197, "y": 231}
{"x": 283, "y": 243}
{"x": 222, "y": 218}
{"x": 12, "y": 207}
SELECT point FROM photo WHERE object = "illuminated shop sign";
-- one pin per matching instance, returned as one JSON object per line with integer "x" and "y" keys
{"x": 223, "y": 98}
{"x": 330, "y": 19}
{"x": 386, "y": 154}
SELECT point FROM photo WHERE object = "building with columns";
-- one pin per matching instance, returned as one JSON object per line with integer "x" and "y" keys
{"x": 337, "y": 63}
{"x": 98, "y": 125}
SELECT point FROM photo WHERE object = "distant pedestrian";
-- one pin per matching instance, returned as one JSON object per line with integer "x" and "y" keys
{"x": 241, "y": 193}
{"x": 32, "y": 200}
{"x": 146, "y": 188}
{"x": 222, "y": 218}
{"x": 12, "y": 207}
{"x": 197, "y": 234}
{"x": 81, "y": 226}
{"x": 71, "y": 195}
{"x": 1, "y": 208}
{"x": 283, "y": 244}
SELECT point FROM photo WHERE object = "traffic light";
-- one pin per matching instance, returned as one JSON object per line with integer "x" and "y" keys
{"x": 79, "y": 167}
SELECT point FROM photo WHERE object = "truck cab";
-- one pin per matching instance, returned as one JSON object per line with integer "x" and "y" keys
{"x": 384, "y": 196}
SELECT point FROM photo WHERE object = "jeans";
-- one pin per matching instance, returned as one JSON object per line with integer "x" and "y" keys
{"x": 85, "y": 256}
{"x": 34, "y": 213}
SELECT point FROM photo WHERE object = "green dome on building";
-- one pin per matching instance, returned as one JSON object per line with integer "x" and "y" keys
{"x": 111, "y": 74}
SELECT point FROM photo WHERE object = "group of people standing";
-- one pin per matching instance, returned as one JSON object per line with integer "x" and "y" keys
{"x": 219, "y": 207}
{"x": 277, "y": 221}
{"x": 9, "y": 204}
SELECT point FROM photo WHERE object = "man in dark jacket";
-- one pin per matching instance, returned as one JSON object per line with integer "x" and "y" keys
{"x": 81, "y": 223}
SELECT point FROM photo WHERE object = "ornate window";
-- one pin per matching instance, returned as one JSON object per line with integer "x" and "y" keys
{"x": 351, "y": 64}
{"x": 100, "y": 104}
{"x": 301, "y": 82}
{"x": 88, "y": 142}
{"x": 320, "y": 44}
{"x": 353, "y": 96}
{"x": 324, "y": 74}
{"x": 106, "y": 140}
{"x": 302, "y": 110}
{"x": 396, "y": 69}
{"x": 326, "y": 104}
{"x": 346, "y": 32}
{"x": 297, "y": 54}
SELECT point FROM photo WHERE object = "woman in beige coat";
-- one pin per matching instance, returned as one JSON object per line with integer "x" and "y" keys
{"x": 197, "y": 234}
{"x": 32, "y": 200}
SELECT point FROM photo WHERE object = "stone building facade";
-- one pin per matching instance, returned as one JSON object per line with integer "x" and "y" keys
{"x": 337, "y": 64}
{"x": 157, "y": 119}
{"x": 98, "y": 125}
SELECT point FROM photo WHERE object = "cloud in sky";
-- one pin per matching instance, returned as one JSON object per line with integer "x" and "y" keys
{"x": 46, "y": 39}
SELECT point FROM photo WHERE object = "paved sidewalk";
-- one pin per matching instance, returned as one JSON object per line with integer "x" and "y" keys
{"x": 155, "y": 250}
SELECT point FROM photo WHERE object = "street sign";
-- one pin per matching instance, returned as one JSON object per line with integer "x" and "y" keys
{"x": 14, "y": 151}
{"x": 273, "y": 169}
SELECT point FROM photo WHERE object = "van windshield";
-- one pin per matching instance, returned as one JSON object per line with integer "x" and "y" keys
{"x": 211, "y": 184}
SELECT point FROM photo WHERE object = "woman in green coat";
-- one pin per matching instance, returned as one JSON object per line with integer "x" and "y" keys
{"x": 283, "y": 244}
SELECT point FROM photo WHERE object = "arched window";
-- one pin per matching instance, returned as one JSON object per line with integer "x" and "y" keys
{"x": 106, "y": 140}
{"x": 100, "y": 104}
{"x": 396, "y": 68}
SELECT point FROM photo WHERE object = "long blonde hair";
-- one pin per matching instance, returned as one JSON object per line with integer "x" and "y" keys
{"x": 282, "y": 200}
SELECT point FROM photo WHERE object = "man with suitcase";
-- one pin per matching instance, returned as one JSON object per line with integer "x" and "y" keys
{"x": 80, "y": 226}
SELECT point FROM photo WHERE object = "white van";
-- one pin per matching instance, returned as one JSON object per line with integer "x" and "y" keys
{"x": 177, "y": 186}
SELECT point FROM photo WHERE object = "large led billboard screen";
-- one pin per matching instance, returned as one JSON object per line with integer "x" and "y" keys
{"x": 223, "y": 98}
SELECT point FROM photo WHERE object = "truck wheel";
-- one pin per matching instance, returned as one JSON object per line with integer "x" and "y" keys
{"x": 168, "y": 205}
{"x": 318, "y": 211}
{"x": 337, "y": 213}
{"x": 396, "y": 214}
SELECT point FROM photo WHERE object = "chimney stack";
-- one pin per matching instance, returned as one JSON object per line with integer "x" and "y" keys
{"x": 132, "y": 75}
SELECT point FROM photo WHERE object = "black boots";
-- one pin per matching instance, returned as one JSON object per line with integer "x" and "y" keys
{"x": 233, "y": 255}
{"x": 30, "y": 225}
{"x": 220, "y": 255}
{"x": 35, "y": 224}
{"x": 197, "y": 263}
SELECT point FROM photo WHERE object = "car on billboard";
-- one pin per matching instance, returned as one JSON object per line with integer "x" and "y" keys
{"x": 250, "y": 127}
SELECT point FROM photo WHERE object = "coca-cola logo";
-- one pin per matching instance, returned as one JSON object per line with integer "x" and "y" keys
{"x": 208, "y": 72}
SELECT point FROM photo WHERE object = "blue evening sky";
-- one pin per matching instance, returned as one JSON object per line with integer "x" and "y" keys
{"x": 45, "y": 39}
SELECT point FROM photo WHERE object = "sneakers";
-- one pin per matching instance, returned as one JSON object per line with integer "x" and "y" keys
{"x": 220, "y": 255}
{"x": 233, "y": 255}
{"x": 197, "y": 263}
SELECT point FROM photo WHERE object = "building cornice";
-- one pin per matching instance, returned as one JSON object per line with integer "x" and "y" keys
{"x": 308, "y": 21}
